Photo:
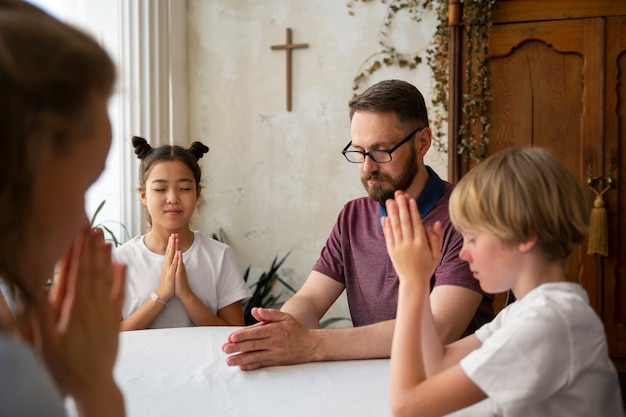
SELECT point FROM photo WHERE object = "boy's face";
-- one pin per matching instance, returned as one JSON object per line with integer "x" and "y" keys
{"x": 494, "y": 263}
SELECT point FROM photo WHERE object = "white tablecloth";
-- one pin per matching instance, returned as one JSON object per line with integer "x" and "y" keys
{"x": 182, "y": 372}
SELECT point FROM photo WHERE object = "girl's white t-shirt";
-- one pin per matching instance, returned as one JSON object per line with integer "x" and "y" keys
{"x": 212, "y": 273}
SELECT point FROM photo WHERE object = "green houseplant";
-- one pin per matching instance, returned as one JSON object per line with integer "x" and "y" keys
{"x": 109, "y": 235}
{"x": 263, "y": 289}
{"x": 263, "y": 294}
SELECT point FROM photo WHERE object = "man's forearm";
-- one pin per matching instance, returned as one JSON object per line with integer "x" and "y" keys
{"x": 364, "y": 342}
{"x": 303, "y": 310}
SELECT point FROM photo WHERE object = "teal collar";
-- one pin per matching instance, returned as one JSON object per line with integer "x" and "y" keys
{"x": 427, "y": 199}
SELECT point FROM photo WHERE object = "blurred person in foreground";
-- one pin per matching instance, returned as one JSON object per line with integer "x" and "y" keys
{"x": 55, "y": 82}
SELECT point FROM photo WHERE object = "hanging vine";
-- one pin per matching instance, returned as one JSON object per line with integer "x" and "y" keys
{"x": 474, "y": 132}
{"x": 388, "y": 55}
{"x": 436, "y": 57}
{"x": 477, "y": 18}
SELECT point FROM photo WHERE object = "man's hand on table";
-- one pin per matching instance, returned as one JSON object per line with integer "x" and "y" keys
{"x": 278, "y": 339}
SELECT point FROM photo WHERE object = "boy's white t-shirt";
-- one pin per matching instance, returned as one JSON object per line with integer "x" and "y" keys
{"x": 212, "y": 273}
{"x": 544, "y": 355}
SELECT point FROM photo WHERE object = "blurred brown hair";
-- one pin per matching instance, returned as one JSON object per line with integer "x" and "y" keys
{"x": 49, "y": 72}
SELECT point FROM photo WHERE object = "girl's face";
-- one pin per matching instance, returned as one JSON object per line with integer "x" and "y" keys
{"x": 494, "y": 263}
{"x": 170, "y": 195}
{"x": 59, "y": 192}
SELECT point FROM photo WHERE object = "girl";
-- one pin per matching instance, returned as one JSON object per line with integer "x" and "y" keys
{"x": 521, "y": 213}
{"x": 55, "y": 83}
{"x": 177, "y": 277}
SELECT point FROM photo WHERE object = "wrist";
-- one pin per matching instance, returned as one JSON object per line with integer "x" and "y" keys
{"x": 319, "y": 346}
{"x": 186, "y": 297}
{"x": 414, "y": 285}
{"x": 157, "y": 299}
{"x": 165, "y": 291}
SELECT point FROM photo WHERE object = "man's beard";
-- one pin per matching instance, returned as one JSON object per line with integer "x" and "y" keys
{"x": 382, "y": 193}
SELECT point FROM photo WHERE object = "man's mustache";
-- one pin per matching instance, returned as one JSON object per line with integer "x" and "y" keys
{"x": 375, "y": 177}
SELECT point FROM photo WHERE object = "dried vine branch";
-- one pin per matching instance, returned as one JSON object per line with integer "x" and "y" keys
{"x": 474, "y": 132}
{"x": 436, "y": 57}
{"x": 477, "y": 19}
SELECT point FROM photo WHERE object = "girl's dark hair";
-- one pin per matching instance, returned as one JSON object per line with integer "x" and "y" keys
{"x": 150, "y": 156}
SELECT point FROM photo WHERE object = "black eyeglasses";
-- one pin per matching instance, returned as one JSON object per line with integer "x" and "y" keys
{"x": 378, "y": 156}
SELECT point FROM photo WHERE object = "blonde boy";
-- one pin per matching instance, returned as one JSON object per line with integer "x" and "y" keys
{"x": 521, "y": 214}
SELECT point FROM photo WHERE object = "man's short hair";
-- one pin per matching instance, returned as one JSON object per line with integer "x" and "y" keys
{"x": 397, "y": 96}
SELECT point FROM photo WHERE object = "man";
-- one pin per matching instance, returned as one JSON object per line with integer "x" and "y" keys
{"x": 390, "y": 136}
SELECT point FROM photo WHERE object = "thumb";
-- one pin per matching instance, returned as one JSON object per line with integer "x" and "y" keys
{"x": 269, "y": 315}
{"x": 435, "y": 240}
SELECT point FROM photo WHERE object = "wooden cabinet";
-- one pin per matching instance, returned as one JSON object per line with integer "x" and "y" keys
{"x": 558, "y": 76}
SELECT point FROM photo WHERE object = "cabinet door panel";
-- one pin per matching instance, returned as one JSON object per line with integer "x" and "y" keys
{"x": 537, "y": 101}
{"x": 540, "y": 97}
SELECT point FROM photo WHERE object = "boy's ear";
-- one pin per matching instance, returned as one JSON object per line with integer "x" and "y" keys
{"x": 529, "y": 244}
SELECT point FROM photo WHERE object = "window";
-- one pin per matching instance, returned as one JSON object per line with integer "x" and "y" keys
{"x": 137, "y": 34}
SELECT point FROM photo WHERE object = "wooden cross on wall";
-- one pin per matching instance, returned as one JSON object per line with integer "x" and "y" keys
{"x": 289, "y": 47}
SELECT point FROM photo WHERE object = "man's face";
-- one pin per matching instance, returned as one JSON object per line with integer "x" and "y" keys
{"x": 380, "y": 131}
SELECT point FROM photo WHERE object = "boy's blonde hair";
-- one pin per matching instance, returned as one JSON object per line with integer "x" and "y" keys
{"x": 519, "y": 193}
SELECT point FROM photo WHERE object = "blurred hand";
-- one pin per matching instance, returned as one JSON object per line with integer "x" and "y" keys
{"x": 77, "y": 327}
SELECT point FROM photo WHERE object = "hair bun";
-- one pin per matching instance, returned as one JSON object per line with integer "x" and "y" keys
{"x": 142, "y": 147}
{"x": 198, "y": 149}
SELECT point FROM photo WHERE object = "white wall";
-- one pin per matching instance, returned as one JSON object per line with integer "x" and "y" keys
{"x": 276, "y": 180}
